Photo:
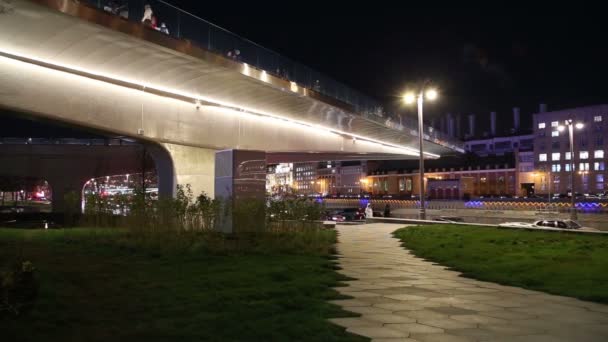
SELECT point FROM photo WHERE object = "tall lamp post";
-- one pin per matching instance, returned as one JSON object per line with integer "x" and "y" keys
{"x": 410, "y": 98}
{"x": 570, "y": 124}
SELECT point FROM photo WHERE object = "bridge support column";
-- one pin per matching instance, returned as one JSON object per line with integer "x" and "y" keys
{"x": 185, "y": 165}
{"x": 240, "y": 184}
{"x": 61, "y": 186}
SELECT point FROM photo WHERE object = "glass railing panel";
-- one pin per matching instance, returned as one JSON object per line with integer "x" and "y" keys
{"x": 302, "y": 75}
{"x": 194, "y": 30}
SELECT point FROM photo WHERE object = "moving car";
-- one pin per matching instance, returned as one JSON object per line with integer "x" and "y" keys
{"x": 562, "y": 224}
{"x": 449, "y": 219}
{"x": 349, "y": 214}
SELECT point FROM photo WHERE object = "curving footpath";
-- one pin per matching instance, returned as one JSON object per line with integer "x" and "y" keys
{"x": 403, "y": 298}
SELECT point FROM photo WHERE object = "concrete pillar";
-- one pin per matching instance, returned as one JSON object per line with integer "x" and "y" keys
{"x": 493, "y": 124}
{"x": 61, "y": 185}
{"x": 240, "y": 184}
{"x": 458, "y": 131}
{"x": 516, "y": 119}
{"x": 450, "y": 125}
{"x": 471, "y": 125}
{"x": 191, "y": 165}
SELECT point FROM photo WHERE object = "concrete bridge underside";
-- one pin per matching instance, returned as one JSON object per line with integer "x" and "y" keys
{"x": 127, "y": 80}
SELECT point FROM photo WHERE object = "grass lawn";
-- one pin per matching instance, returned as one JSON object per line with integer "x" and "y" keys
{"x": 560, "y": 263}
{"x": 93, "y": 287}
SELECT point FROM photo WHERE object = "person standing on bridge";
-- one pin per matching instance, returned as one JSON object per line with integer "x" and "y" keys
{"x": 164, "y": 29}
{"x": 147, "y": 18}
{"x": 387, "y": 210}
{"x": 369, "y": 212}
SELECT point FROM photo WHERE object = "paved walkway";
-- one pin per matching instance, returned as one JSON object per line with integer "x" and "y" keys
{"x": 404, "y": 298}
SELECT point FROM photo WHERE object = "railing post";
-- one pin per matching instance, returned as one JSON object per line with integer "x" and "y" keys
{"x": 179, "y": 25}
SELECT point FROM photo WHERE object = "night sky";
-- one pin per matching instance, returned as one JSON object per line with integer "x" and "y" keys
{"x": 483, "y": 59}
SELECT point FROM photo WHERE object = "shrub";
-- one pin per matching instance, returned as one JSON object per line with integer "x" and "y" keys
{"x": 18, "y": 289}
{"x": 71, "y": 201}
{"x": 293, "y": 213}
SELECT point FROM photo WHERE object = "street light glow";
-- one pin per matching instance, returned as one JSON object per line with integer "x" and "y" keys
{"x": 579, "y": 125}
{"x": 431, "y": 94}
{"x": 409, "y": 98}
{"x": 561, "y": 128}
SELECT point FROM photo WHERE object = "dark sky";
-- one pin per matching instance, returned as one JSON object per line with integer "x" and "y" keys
{"x": 483, "y": 59}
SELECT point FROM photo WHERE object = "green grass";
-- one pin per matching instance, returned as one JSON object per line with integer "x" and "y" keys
{"x": 560, "y": 263}
{"x": 105, "y": 285}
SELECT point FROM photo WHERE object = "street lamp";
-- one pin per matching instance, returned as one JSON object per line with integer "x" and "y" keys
{"x": 409, "y": 97}
{"x": 570, "y": 124}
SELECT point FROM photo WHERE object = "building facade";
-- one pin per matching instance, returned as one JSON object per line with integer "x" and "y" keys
{"x": 500, "y": 145}
{"x": 524, "y": 165}
{"x": 316, "y": 178}
{"x": 553, "y": 160}
{"x": 440, "y": 183}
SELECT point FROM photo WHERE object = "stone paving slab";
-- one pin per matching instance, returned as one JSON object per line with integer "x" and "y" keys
{"x": 402, "y": 298}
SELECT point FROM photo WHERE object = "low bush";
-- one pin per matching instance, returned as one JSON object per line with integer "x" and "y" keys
{"x": 18, "y": 289}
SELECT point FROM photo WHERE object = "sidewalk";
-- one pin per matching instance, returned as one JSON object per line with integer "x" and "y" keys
{"x": 404, "y": 298}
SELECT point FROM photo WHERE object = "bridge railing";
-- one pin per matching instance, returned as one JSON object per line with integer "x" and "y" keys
{"x": 183, "y": 25}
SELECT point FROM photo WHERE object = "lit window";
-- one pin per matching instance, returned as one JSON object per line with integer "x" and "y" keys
{"x": 554, "y": 123}
{"x": 542, "y": 157}
{"x": 583, "y": 155}
{"x": 598, "y": 154}
{"x": 555, "y": 133}
{"x": 567, "y": 167}
{"x": 567, "y": 156}
{"x": 541, "y": 125}
{"x": 599, "y": 166}
{"x": 556, "y": 168}
{"x": 599, "y": 178}
{"x": 597, "y": 118}
{"x": 555, "y": 156}
{"x": 583, "y": 166}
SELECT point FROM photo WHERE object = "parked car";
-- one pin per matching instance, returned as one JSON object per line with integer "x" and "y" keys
{"x": 562, "y": 224}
